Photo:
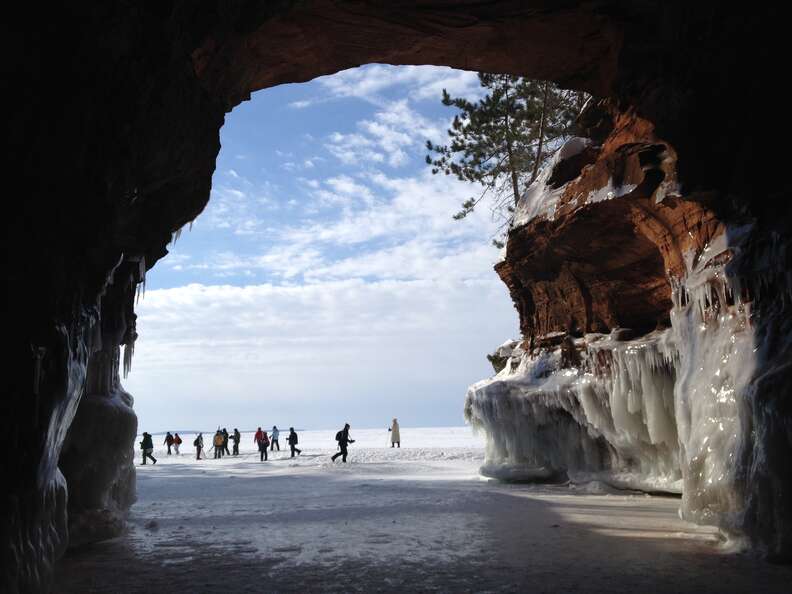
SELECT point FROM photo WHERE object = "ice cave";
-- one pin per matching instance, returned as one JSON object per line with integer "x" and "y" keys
{"x": 649, "y": 263}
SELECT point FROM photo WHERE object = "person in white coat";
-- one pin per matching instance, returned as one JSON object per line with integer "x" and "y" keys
{"x": 395, "y": 436}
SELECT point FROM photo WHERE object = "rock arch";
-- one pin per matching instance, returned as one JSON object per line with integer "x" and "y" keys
{"x": 114, "y": 136}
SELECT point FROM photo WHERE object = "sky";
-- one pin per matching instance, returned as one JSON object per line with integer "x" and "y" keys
{"x": 326, "y": 281}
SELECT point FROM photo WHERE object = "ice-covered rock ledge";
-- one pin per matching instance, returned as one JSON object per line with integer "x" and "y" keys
{"x": 694, "y": 398}
{"x": 592, "y": 408}
{"x": 666, "y": 411}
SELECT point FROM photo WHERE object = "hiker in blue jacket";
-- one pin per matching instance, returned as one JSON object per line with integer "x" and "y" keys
{"x": 274, "y": 439}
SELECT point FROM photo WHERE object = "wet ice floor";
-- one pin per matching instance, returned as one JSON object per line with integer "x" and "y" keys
{"x": 416, "y": 519}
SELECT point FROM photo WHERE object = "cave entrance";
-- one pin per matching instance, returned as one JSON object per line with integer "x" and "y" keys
{"x": 326, "y": 280}
{"x": 130, "y": 140}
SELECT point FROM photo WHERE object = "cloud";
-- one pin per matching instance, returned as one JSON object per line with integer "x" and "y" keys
{"x": 370, "y": 83}
{"x": 281, "y": 261}
{"x": 417, "y": 259}
{"x": 404, "y": 207}
{"x": 314, "y": 355}
{"x": 395, "y": 134}
{"x": 238, "y": 205}
{"x": 353, "y": 149}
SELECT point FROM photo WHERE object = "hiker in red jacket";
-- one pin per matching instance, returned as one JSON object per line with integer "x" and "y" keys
{"x": 262, "y": 441}
{"x": 177, "y": 441}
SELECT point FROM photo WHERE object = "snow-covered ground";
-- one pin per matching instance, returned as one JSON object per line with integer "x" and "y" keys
{"x": 420, "y": 518}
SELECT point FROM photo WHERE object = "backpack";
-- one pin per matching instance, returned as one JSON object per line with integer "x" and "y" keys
{"x": 195, "y": 443}
{"x": 340, "y": 435}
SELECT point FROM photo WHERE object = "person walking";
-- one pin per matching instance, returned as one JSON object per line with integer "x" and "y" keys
{"x": 292, "y": 441}
{"x": 168, "y": 442}
{"x": 177, "y": 441}
{"x": 198, "y": 443}
{"x": 262, "y": 441}
{"x": 218, "y": 444}
{"x": 236, "y": 437}
{"x": 225, "y": 442}
{"x": 147, "y": 445}
{"x": 274, "y": 439}
{"x": 395, "y": 435}
{"x": 343, "y": 439}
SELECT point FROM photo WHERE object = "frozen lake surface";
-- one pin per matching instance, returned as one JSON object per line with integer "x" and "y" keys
{"x": 418, "y": 518}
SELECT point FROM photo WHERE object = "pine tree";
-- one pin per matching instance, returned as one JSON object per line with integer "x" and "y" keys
{"x": 502, "y": 140}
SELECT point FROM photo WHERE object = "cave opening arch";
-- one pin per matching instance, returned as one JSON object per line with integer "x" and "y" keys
{"x": 122, "y": 156}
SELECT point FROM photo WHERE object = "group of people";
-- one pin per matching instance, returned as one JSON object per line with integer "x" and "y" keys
{"x": 172, "y": 441}
{"x": 219, "y": 443}
{"x": 263, "y": 441}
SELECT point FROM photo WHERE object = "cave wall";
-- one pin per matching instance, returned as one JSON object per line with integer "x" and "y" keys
{"x": 115, "y": 131}
{"x": 97, "y": 457}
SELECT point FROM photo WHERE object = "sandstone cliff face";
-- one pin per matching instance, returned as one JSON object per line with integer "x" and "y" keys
{"x": 615, "y": 234}
{"x": 644, "y": 361}
{"x": 114, "y": 135}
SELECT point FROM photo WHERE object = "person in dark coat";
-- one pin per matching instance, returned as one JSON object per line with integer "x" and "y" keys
{"x": 343, "y": 439}
{"x": 225, "y": 442}
{"x": 292, "y": 441}
{"x": 147, "y": 445}
{"x": 236, "y": 437}
{"x": 198, "y": 443}
{"x": 168, "y": 442}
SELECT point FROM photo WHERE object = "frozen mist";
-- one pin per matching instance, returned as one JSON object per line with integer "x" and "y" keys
{"x": 416, "y": 519}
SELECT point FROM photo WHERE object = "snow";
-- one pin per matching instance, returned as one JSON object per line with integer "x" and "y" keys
{"x": 540, "y": 200}
{"x": 506, "y": 349}
{"x": 609, "y": 191}
{"x": 419, "y": 518}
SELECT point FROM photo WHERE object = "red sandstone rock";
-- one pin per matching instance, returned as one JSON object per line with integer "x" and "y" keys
{"x": 595, "y": 265}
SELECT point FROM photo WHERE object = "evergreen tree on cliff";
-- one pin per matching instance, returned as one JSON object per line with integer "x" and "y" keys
{"x": 502, "y": 140}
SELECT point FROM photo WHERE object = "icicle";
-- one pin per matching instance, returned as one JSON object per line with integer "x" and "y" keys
{"x": 129, "y": 350}
{"x": 140, "y": 289}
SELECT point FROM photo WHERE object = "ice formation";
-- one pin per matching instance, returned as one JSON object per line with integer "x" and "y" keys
{"x": 609, "y": 410}
{"x": 540, "y": 200}
{"x": 670, "y": 410}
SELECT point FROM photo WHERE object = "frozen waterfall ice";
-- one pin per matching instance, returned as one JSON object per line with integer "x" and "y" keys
{"x": 668, "y": 411}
